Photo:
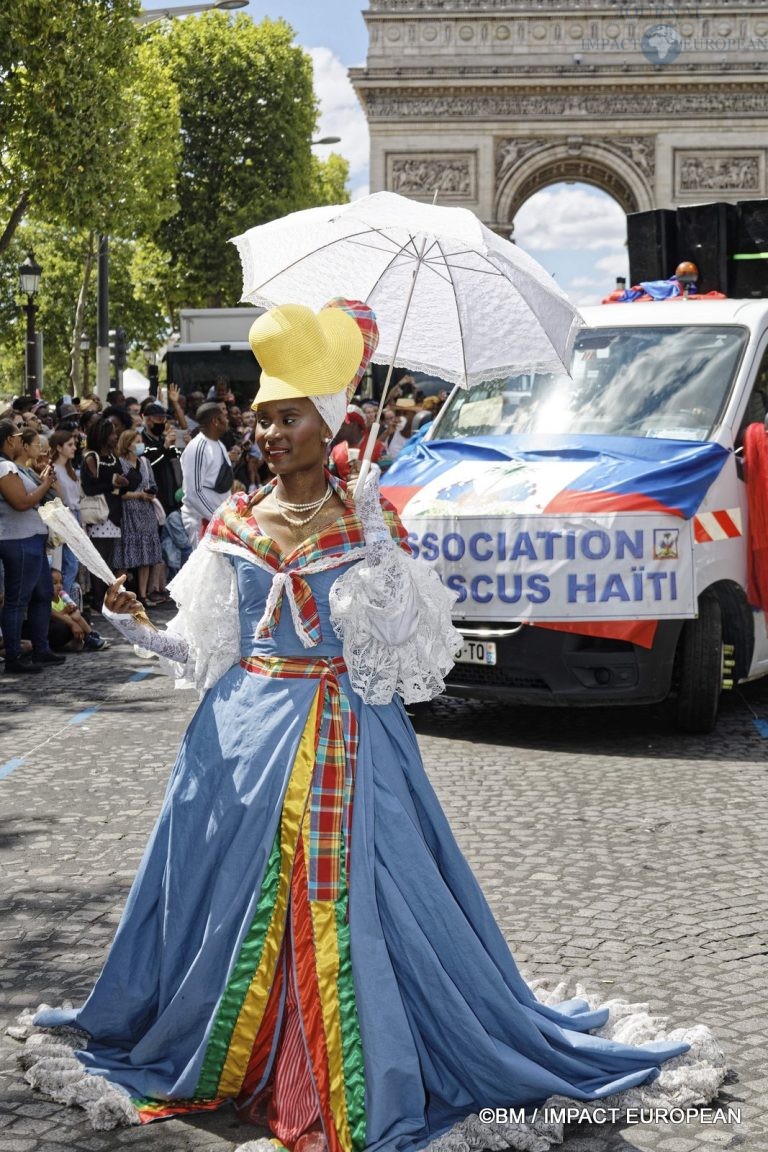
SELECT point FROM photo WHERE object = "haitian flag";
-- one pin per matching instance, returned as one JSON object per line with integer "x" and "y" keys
{"x": 598, "y": 474}
{"x": 567, "y": 532}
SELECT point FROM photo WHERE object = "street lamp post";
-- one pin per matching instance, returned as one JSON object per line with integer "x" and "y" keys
{"x": 85, "y": 344}
{"x": 149, "y": 16}
{"x": 102, "y": 321}
{"x": 29, "y": 282}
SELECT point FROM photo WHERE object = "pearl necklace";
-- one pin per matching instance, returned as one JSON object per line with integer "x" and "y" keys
{"x": 313, "y": 508}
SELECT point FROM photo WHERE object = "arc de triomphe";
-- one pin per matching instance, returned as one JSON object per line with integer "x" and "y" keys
{"x": 658, "y": 102}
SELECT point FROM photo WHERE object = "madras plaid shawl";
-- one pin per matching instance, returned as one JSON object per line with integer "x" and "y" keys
{"x": 235, "y": 524}
{"x": 330, "y": 801}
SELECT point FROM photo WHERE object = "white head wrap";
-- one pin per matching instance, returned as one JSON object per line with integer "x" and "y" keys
{"x": 333, "y": 409}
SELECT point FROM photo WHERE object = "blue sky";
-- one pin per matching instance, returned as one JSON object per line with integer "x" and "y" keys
{"x": 334, "y": 24}
{"x": 575, "y": 231}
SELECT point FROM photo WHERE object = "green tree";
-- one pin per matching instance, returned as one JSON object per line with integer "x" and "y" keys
{"x": 248, "y": 112}
{"x": 61, "y": 254}
{"x": 329, "y": 180}
{"x": 63, "y": 65}
{"x": 142, "y": 174}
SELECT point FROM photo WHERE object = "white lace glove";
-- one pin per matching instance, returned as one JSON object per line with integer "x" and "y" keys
{"x": 393, "y": 615}
{"x": 165, "y": 644}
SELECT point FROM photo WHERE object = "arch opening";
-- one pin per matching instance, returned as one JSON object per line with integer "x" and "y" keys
{"x": 578, "y": 232}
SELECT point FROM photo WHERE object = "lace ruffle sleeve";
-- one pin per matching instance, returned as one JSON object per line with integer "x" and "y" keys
{"x": 202, "y": 641}
{"x": 393, "y": 616}
{"x": 205, "y": 592}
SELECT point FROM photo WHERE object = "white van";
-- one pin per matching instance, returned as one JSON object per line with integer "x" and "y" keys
{"x": 595, "y": 526}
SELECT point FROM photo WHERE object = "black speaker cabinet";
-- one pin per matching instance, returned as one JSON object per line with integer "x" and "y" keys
{"x": 652, "y": 244}
{"x": 705, "y": 234}
{"x": 749, "y": 278}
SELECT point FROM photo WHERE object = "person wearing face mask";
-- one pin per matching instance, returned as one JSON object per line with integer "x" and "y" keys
{"x": 139, "y": 545}
{"x": 162, "y": 455}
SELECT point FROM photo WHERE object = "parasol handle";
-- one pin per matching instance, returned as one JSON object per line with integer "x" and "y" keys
{"x": 365, "y": 467}
{"x": 373, "y": 435}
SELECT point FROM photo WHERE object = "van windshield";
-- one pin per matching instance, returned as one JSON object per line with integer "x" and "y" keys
{"x": 670, "y": 383}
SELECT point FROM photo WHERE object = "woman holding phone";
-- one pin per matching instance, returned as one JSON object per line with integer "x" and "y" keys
{"x": 23, "y": 537}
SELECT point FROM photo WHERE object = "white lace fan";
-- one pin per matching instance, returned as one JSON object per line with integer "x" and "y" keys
{"x": 63, "y": 524}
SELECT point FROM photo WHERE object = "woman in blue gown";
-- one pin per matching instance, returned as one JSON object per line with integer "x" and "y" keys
{"x": 304, "y": 937}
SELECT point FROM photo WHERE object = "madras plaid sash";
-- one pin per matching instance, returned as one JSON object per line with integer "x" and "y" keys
{"x": 333, "y": 779}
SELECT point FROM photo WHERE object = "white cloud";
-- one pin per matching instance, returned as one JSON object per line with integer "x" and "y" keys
{"x": 341, "y": 115}
{"x": 570, "y": 217}
{"x": 584, "y": 290}
{"x": 616, "y": 261}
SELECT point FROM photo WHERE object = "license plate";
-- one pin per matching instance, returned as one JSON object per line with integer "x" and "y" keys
{"x": 477, "y": 652}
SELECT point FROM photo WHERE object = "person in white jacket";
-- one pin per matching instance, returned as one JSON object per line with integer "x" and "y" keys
{"x": 206, "y": 471}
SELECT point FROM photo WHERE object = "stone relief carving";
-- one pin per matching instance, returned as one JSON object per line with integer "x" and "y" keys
{"x": 640, "y": 150}
{"x": 576, "y": 168}
{"x": 715, "y": 172}
{"x": 639, "y": 9}
{"x": 458, "y": 104}
{"x": 450, "y": 174}
{"x": 512, "y": 149}
{"x": 632, "y": 7}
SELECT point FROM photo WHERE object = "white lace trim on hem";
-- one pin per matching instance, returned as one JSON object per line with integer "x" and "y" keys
{"x": 686, "y": 1081}
{"x": 51, "y": 1066}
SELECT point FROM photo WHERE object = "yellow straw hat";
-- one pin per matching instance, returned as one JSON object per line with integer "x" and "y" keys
{"x": 304, "y": 353}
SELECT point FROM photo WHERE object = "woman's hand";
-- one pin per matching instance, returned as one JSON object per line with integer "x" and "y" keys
{"x": 119, "y": 481}
{"x": 122, "y": 602}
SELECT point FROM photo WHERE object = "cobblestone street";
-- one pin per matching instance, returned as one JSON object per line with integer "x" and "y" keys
{"x": 614, "y": 852}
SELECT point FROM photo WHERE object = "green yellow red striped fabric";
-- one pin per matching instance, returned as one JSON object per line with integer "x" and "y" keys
{"x": 241, "y": 1041}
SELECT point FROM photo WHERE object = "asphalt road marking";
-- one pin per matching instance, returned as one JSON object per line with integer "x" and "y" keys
{"x": 78, "y": 718}
{"x": 8, "y": 767}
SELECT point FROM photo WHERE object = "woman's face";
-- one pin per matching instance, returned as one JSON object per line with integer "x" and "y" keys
{"x": 111, "y": 441}
{"x": 290, "y": 435}
{"x": 67, "y": 450}
{"x": 37, "y": 451}
{"x": 13, "y": 447}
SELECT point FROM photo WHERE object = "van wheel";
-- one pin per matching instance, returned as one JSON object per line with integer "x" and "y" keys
{"x": 700, "y": 668}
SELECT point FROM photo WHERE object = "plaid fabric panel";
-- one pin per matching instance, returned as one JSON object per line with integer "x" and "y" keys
{"x": 330, "y": 801}
{"x": 236, "y": 524}
{"x": 365, "y": 318}
{"x": 294, "y": 667}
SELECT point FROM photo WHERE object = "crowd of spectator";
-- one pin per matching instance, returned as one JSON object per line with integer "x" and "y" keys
{"x": 143, "y": 478}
